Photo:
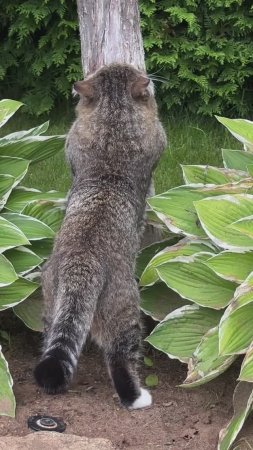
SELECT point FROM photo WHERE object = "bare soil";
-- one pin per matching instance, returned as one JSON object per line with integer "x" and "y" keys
{"x": 178, "y": 419}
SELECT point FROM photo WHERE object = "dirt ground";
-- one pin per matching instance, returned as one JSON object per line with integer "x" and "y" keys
{"x": 178, "y": 419}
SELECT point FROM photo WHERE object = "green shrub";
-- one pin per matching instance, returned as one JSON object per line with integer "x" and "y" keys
{"x": 203, "y": 49}
{"x": 29, "y": 219}
{"x": 200, "y": 289}
{"x": 39, "y": 51}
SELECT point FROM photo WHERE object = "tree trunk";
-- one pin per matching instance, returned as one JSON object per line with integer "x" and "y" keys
{"x": 110, "y": 32}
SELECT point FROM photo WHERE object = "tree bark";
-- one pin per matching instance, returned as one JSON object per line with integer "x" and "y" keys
{"x": 110, "y": 32}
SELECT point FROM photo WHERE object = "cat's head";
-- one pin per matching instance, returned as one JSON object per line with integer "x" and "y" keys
{"x": 116, "y": 85}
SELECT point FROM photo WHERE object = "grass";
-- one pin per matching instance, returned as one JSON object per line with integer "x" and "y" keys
{"x": 192, "y": 140}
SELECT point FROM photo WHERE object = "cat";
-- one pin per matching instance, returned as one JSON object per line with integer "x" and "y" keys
{"x": 88, "y": 283}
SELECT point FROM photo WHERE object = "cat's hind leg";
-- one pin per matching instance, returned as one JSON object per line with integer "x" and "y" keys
{"x": 121, "y": 342}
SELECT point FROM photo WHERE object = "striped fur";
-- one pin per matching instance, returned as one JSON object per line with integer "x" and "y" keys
{"x": 88, "y": 283}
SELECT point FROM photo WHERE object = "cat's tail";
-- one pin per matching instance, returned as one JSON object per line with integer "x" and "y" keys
{"x": 67, "y": 331}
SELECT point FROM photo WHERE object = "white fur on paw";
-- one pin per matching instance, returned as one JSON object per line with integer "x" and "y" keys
{"x": 144, "y": 400}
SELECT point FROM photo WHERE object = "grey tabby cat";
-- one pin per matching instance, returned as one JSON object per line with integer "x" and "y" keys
{"x": 88, "y": 283}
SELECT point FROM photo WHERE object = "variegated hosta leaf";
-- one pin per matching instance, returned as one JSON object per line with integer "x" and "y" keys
{"x": 206, "y": 363}
{"x": 33, "y": 148}
{"x": 181, "y": 331}
{"x": 158, "y": 301}
{"x": 30, "y": 311}
{"x": 184, "y": 247}
{"x": 241, "y": 129}
{"x": 7, "y": 399}
{"x": 244, "y": 186}
{"x": 46, "y": 212}
{"x": 7, "y": 272}
{"x": 243, "y": 401}
{"x": 216, "y": 215}
{"x": 7, "y": 109}
{"x": 246, "y": 373}
{"x": 211, "y": 175}
{"x": 236, "y": 331}
{"x": 236, "y": 159}
{"x": 32, "y": 228}
{"x": 21, "y": 134}
{"x": 10, "y": 235}
{"x": 146, "y": 253}
{"x": 232, "y": 266}
{"x": 193, "y": 280}
{"x": 175, "y": 208}
{"x": 23, "y": 259}
{"x": 16, "y": 292}
{"x": 244, "y": 225}
{"x": 21, "y": 196}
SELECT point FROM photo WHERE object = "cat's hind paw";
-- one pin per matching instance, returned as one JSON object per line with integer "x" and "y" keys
{"x": 144, "y": 400}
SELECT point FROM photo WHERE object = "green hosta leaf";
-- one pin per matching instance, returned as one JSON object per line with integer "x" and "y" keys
{"x": 158, "y": 301}
{"x": 10, "y": 235}
{"x": 7, "y": 399}
{"x": 7, "y": 272}
{"x": 145, "y": 254}
{"x": 217, "y": 214}
{"x": 211, "y": 175}
{"x": 241, "y": 129}
{"x": 236, "y": 331}
{"x": 6, "y": 185}
{"x": 181, "y": 331}
{"x": 33, "y": 148}
{"x": 42, "y": 248}
{"x": 243, "y": 400}
{"x": 246, "y": 373}
{"x": 46, "y": 212}
{"x": 7, "y": 109}
{"x": 32, "y": 228}
{"x": 21, "y": 134}
{"x": 206, "y": 363}
{"x": 232, "y": 266}
{"x": 23, "y": 259}
{"x": 21, "y": 197}
{"x": 175, "y": 208}
{"x": 236, "y": 159}
{"x": 193, "y": 280}
{"x": 184, "y": 247}
{"x": 30, "y": 311}
{"x": 16, "y": 167}
{"x": 16, "y": 292}
{"x": 244, "y": 225}
{"x": 151, "y": 381}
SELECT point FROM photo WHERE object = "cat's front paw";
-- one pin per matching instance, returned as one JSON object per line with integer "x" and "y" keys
{"x": 144, "y": 400}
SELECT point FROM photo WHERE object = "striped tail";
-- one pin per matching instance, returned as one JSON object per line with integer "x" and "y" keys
{"x": 65, "y": 338}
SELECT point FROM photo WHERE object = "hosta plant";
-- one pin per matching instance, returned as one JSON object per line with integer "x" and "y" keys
{"x": 200, "y": 290}
{"x": 29, "y": 219}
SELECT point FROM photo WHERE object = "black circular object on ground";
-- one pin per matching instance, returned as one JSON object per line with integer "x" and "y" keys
{"x": 46, "y": 423}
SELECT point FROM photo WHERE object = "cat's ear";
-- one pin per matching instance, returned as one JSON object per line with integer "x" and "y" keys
{"x": 139, "y": 88}
{"x": 84, "y": 88}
